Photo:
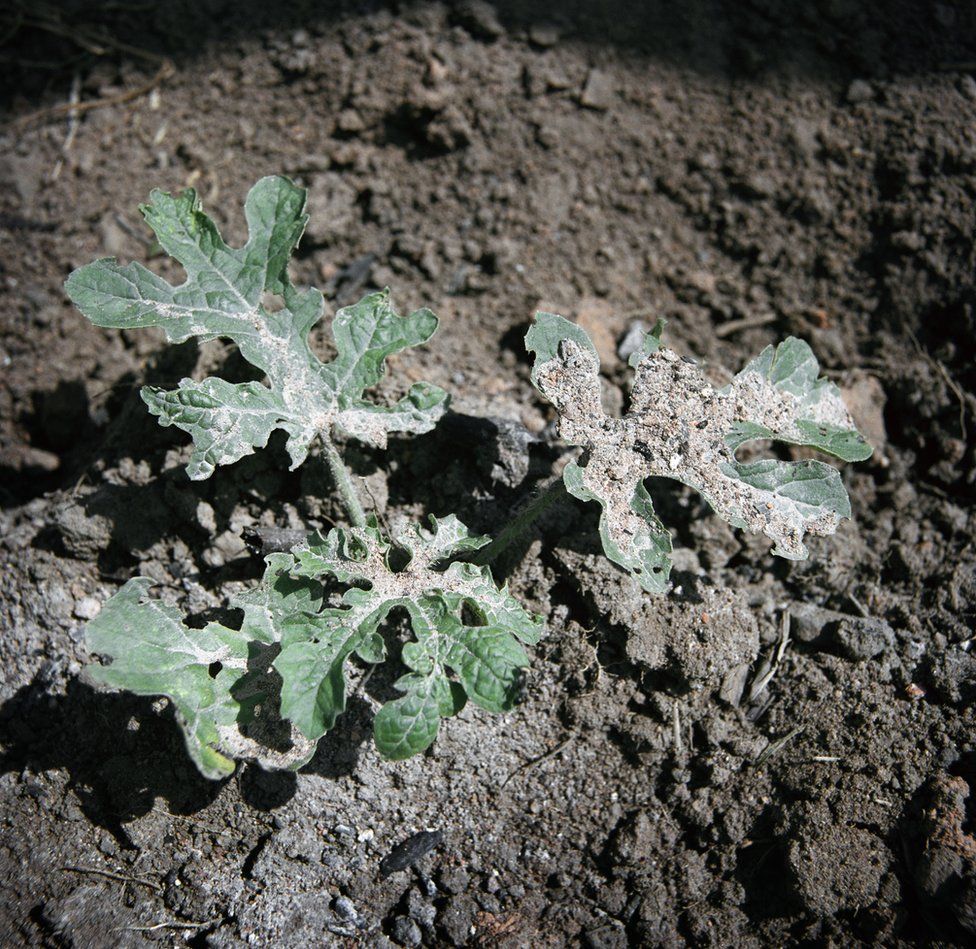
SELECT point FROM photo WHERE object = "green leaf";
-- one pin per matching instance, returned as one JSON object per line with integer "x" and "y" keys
{"x": 227, "y": 421}
{"x": 631, "y": 533}
{"x": 279, "y": 596}
{"x": 225, "y": 295}
{"x": 650, "y": 343}
{"x": 372, "y": 423}
{"x": 217, "y": 678}
{"x": 680, "y": 427}
{"x": 547, "y": 336}
{"x": 294, "y": 644}
{"x": 405, "y": 727}
{"x": 463, "y": 623}
{"x": 365, "y": 335}
{"x": 816, "y": 417}
{"x": 313, "y": 673}
{"x": 153, "y": 653}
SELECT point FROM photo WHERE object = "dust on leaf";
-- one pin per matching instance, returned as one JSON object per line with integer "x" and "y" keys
{"x": 462, "y": 623}
{"x": 679, "y": 426}
{"x": 222, "y": 297}
{"x": 225, "y": 684}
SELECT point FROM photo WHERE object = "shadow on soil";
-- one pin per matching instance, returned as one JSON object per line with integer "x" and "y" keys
{"x": 44, "y": 43}
{"x": 121, "y": 755}
{"x": 62, "y": 423}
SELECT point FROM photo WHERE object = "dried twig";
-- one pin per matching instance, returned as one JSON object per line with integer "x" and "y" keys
{"x": 16, "y": 23}
{"x": 47, "y": 18}
{"x": 170, "y": 925}
{"x": 775, "y": 747}
{"x": 746, "y": 323}
{"x": 951, "y": 383}
{"x": 384, "y": 523}
{"x": 74, "y": 98}
{"x": 43, "y": 16}
{"x": 121, "y": 877}
{"x": 770, "y": 665}
{"x": 165, "y": 71}
{"x": 535, "y": 762}
{"x": 133, "y": 232}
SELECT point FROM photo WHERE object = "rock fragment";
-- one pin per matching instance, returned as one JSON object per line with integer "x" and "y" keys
{"x": 598, "y": 91}
{"x": 544, "y": 35}
{"x": 480, "y": 19}
{"x": 859, "y": 91}
{"x": 863, "y": 637}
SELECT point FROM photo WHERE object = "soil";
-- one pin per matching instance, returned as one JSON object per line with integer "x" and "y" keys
{"x": 672, "y": 776}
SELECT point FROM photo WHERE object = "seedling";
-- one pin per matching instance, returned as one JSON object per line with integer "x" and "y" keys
{"x": 220, "y": 679}
{"x": 232, "y": 688}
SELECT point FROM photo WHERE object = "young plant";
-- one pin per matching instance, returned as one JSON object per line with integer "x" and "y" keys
{"x": 461, "y": 621}
{"x": 234, "y": 689}
{"x": 679, "y": 426}
{"x": 221, "y": 680}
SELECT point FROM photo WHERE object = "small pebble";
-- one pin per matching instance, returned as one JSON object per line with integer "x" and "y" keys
{"x": 859, "y": 91}
{"x": 87, "y": 608}
{"x": 345, "y": 908}
{"x": 861, "y": 638}
{"x": 206, "y": 517}
{"x": 454, "y": 880}
{"x": 544, "y": 35}
{"x": 406, "y": 932}
{"x": 598, "y": 91}
{"x": 420, "y": 910}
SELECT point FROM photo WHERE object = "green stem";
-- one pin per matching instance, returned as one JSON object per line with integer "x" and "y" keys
{"x": 552, "y": 492}
{"x": 343, "y": 482}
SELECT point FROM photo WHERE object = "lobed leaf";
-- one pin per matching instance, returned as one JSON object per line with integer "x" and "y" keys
{"x": 462, "y": 622}
{"x": 224, "y": 296}
{"x": 680, "y": 427}
{"x": 216, "y": 677}
{"x": 468, "y": 644}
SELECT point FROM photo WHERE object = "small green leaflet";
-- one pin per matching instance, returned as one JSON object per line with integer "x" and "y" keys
{"x": 680, "y": 427}
{"x": 469, "y": 636}
{"x": 225, "y": 296}
{"x": 462, "y": 622}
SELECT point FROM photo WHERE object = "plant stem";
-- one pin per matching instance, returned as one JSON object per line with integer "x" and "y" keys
{"x": 343, "y": 482}
{"x": 550, "y": 493}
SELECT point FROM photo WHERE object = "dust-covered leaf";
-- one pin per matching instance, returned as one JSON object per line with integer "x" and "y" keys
{"x": 226, "y": 295}
{"x": 679, "y": 426}
{"x": 468, "y": 632}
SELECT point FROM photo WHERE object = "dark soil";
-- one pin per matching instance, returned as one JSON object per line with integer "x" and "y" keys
{"x": 745, "y": 170}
